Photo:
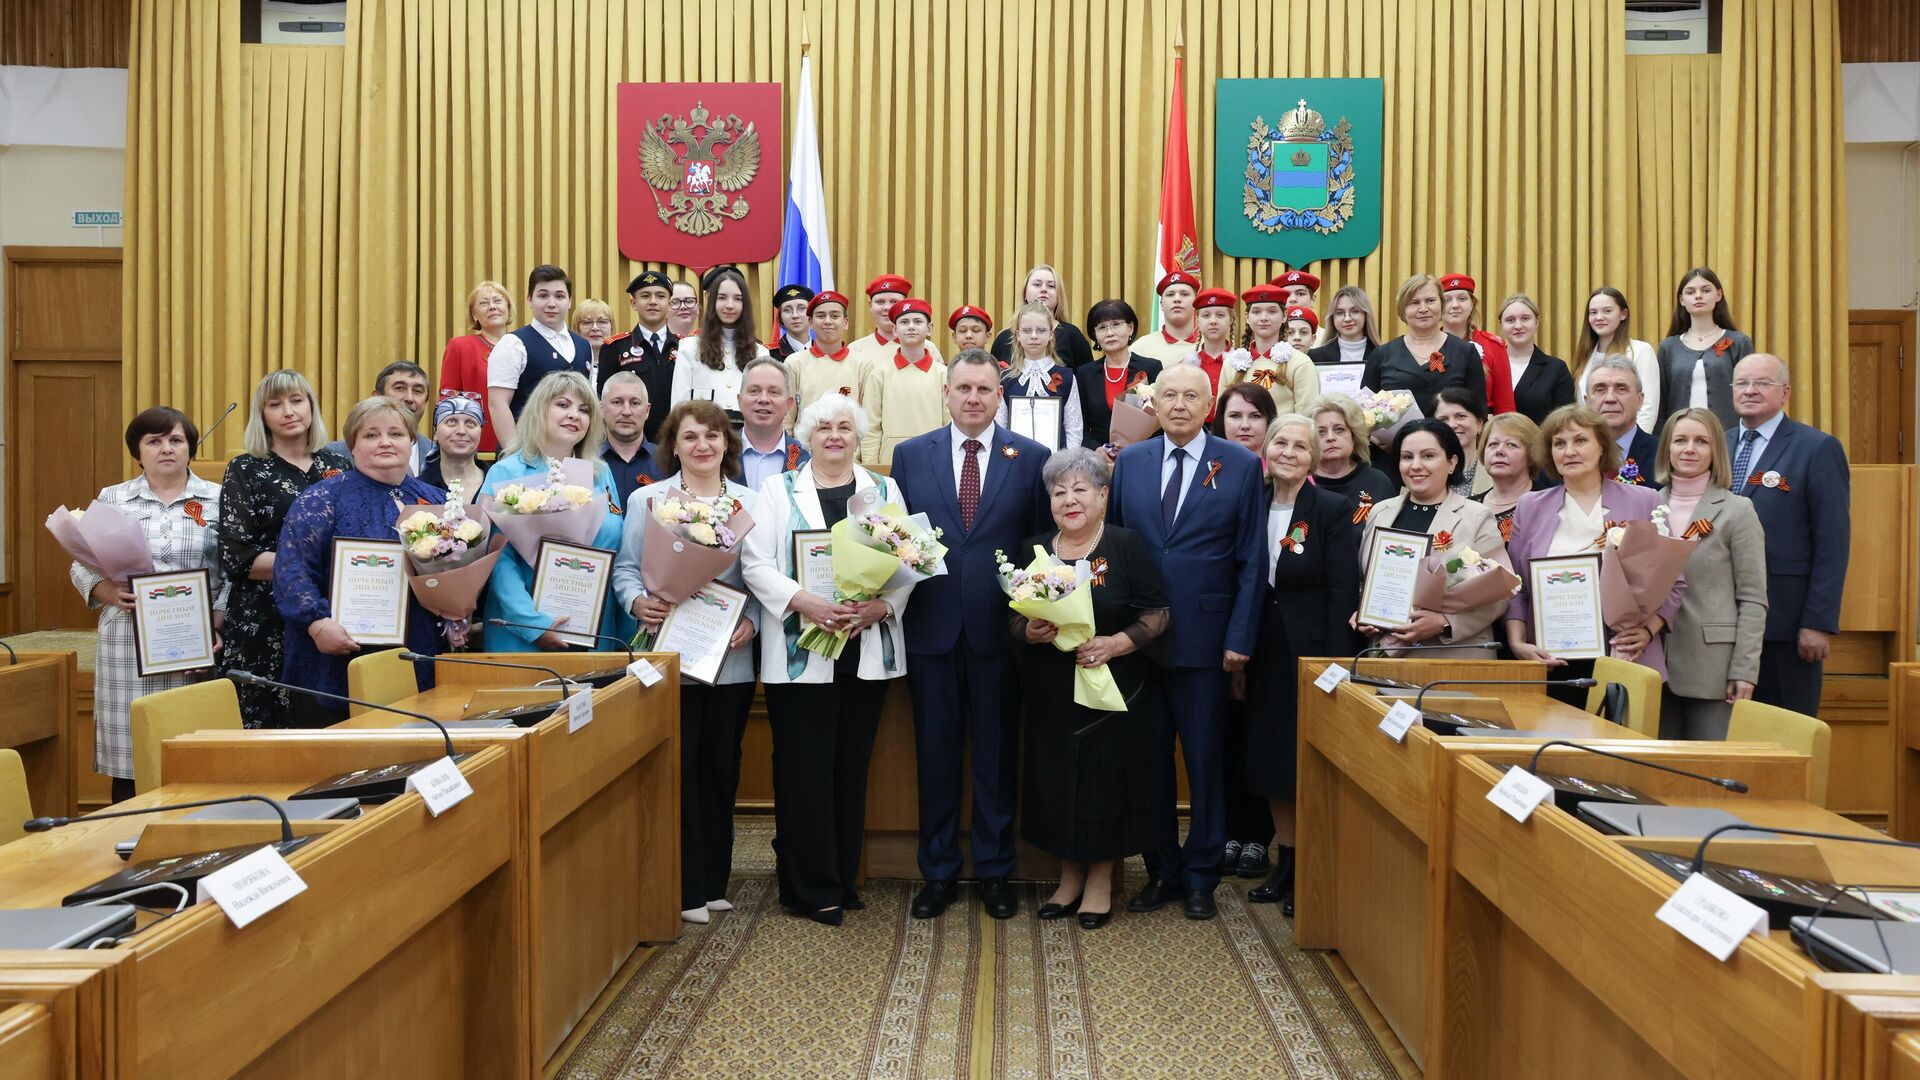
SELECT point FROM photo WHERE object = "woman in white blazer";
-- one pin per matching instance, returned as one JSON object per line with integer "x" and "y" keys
{"x": 824, "y": 713}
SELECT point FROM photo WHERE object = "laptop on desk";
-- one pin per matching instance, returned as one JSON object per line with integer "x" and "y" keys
{"x": 1636, "y": 819}
{"x": 1868, "y": 946}
{"x": 63, "y": 928}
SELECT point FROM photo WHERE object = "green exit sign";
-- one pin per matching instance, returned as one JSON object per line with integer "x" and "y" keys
{"x": 91, "y": 219}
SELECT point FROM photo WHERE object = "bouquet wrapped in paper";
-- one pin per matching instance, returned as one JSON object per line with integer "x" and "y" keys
{"x": 450, "y": 555}
{"x": 1451, "y": 583}
{"x": 1386, "y": 412}
{"x": 875, "y": 549}
{"x": 1054, "y": 591}
{"x": 1639, "y": 564}
{"x": 563, "y": 508}
{"x": 1133, "y": 418}
{"x": 103, "y": 540}
{"x": 689, "y": 542}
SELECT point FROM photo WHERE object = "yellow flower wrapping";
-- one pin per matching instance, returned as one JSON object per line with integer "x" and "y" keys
{"x": 859, "y": 573}
{"x": 1093, "y": 687}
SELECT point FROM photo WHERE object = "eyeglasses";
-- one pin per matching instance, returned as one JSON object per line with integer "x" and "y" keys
{"x": 1754, "y": 384}
{"x": 683, "y": 303}
{"x": 596, "y": 322}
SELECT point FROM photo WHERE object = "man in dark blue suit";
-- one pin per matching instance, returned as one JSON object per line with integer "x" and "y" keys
{"x": 1797, "y": 478}
{"x": 1614, "y": 391}
{"x": 980, "y": 484}
{"x": 1197, "y": 502}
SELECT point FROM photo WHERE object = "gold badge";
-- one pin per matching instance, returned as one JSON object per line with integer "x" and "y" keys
{"x": 698, "y": 160}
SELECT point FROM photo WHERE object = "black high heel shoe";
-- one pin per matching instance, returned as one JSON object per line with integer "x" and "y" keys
{"x": 828, "y": 916}
{"x": 1279, "y": 885}
{"x": 1057, "y": 911}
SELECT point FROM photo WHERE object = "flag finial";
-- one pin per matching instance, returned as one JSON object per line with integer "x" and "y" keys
{"x": 806, "y": 36}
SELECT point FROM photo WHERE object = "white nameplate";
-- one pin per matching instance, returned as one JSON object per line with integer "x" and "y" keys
{"x": 645, "y": 672}
{"x": 1331, "y": 678}
{"x": 579, "y": 710}
{"x": 251, "y": 887}
{"x": 1399, "y": 719}
{"x": 1711, "y": 916}
{"x": 440, "y": 785}
{"x": 1519, "y": 793}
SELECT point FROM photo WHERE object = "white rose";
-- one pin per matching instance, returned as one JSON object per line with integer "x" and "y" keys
{"x": 424, "y": 547}
{"x": 577, "y": 495}
{"x": 469, "y": 530}
{"x": 1616, "y": 534}
{"x": 701, "y": 533}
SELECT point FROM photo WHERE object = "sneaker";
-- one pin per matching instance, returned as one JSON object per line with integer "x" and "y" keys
{"x": 1230, "y": 857}
{"x": 1253, "y": 861}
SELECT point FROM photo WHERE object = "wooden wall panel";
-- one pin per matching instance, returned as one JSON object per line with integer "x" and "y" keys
{"x": 1879, "y": 31}
{"x": 65, "y": 33}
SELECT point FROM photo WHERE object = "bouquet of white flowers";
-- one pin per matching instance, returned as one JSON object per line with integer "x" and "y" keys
{"x": 561, "y": 509}
{"x": 876, "y": 549}
{"x": 449, "y": 555}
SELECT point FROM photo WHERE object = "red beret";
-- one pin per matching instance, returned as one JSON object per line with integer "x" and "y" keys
{"x": 1298, "y": 277}
{"x": 968, "y": 311}
{"x": 1177, "y": 277}
{"x": 1305, "y": 315}
{"x": 909, "y": 306}
{"x": 1212, "y": 298}
{"x": 1456, "y": 281}
{"x": 1265, "y": 294}
{"x": 827, "y": 296}
{"x": 889, "y": 283}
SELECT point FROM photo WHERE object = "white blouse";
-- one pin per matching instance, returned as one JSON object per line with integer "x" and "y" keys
{"x": 693, "y": 379}
{"x": 1279, "y": 520}
{"x": 1577, "y": 529}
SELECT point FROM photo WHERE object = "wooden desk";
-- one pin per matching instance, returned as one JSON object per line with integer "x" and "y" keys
{"x": 597, "y": 826}
{"x": 1373, "y": 837}
{"x": 1904, "y": 713}
{"x": 40, "y": 692}
{"x": 388, "y": 964}
{"x": 1868, "y": 1026}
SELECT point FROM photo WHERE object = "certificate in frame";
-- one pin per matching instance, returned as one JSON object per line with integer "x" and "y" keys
{"x": 573, "y": 580}
{"x": 1563, "y": 594}
{"x": 1392, "y": 566}
{"x": 700, "y": 628}
{"x": 813, "y": 562}
{"x": 368, "y": 590}
{"x": 1038, "y": 418}
{"x": 172, "y": 622}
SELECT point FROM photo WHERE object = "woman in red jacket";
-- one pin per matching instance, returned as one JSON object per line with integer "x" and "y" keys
{"x": 463, "y": 366}
{"x": 1458, "y": 305}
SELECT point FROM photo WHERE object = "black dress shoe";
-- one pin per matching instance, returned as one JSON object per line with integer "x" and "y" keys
{"x": 829, "y": 917}
{"x": 1153, "y": 897}
{"x": 1279, "y": 884}
{"x": 1094, "y": 920}
{"x": 1253, "y": 860}
{"x": 852, "y": 902}
{"x": 1199, "y": 904}
{"x": 1057, "y": 911}
{"x": 997, "y": 897}
{"x": 933, "y": 898}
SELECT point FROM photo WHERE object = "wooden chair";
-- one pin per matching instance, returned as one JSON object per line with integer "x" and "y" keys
{"x": 380, "y": 677}
{"x": 1642, "y": 685}
{"x": 16, "y": 806}
{"x": 155, "y": 718}
{"x": 1753, "y": 721}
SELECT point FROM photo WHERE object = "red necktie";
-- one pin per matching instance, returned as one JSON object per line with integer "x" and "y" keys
{"x": 970, "y": 483}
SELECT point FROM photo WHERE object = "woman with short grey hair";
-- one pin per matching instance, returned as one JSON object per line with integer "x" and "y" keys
{"x": 1091, "y": 775}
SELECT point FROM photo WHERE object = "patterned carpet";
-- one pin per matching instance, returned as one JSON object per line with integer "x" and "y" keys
{"x": 1147, "y": 996}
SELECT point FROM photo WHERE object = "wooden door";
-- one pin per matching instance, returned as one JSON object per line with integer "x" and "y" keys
{"x": 1882, "y": 386}
{"x": 65, "y": 428}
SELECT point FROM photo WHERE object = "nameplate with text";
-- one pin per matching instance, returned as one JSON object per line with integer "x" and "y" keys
{"x": 440, "y": 785}
{"x": 251, "y": 887}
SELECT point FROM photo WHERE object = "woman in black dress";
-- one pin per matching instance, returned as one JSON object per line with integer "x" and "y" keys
{"x": 285, "y": 454}
{"x": 1313, "y": 570}
{"x": 1345, "y": 453}
{"x": 1042, "y": 286}
{"x": 1090, "y": 776}
{"x": 1426, "y": 358}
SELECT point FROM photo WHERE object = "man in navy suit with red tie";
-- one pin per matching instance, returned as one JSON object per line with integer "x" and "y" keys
{"x": 1797, "y": 478}
{"x": 1197, "y": 502}
{"x": 980, "y": 485}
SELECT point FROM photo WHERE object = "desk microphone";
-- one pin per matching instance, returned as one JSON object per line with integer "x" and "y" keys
{"x": 419, "y": 658}
{"x": 1381, "y": 650}
{"x": 231, "y": 405}
{"x": 181, "y": 871}
{"x": 1422, "y": 696}
{"x": 261, "y": 680}
{"x": 1782, "y": 896}
{"x": 370, "y": 785}
{"x": 623, "y": 645}
{"x": 1700, "y": 853}
{"x": 45, "y": 824}
{"x": 12, "y": 657}
{"x": 1735, "y": 786}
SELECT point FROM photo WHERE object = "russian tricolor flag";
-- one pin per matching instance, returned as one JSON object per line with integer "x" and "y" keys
{"x": 804, "y": 255}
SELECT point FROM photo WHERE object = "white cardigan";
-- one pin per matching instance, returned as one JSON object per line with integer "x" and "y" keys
{"x": 766, "y": 561}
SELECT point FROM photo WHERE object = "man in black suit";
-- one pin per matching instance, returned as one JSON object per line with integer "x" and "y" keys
{"x": 647, "y": 350}
{"x": 1797, "y": 478}
{"x": 1613, "y": 391}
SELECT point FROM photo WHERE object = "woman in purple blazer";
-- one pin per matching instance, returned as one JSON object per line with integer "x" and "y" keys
{"x": 1572, "y": 518}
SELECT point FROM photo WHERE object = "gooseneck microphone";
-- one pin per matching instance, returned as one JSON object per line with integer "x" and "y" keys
{"x": 12, "y": 657}
{"x": 1381, "y": 650}
{"x": 1735, "y": 786}
{"x": 1422, "y": 696}
{"x": 564, "y": 685}
{"x": 1700, "y": 853}
{"x": 218, "y": 420}
{"x": 261, "y": 680}
{"x": 45, "y": 824}
{"x": 618, "y": 642}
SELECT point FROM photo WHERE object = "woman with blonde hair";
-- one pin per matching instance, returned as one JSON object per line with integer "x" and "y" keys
{"x": 285, "y": 455}
{"x": 1344, "y": 467}
{"x": 1426, "y": 358}
{"x": 463, "y": 365}
{"x": 593, "y": 320}
{"x": 561, "y": 419}
{"x": 1041, "y": 285}
{"x": 1509, "y": 456}
{"x": 1352, "y": 330}
{"x": 1541, "y": 383}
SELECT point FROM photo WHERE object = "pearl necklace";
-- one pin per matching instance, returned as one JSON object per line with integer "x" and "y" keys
{"x": 1059, "y": 539}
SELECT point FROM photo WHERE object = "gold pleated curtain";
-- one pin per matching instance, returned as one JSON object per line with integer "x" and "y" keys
{"x": 328, "y": 209}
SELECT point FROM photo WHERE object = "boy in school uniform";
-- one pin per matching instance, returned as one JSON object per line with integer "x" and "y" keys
{"x": 972, "y": 328}
{"x": 883, "y": 293}
{"x": 1302, "y": 289}
{"x": 521, "y": 359}
{"x": 827, "y": 365}
{"x": 906, "y": 393}
{"x": 648, "y": 349}
{"x": 1179, "y": 332}
{"x": 790, "y": 315}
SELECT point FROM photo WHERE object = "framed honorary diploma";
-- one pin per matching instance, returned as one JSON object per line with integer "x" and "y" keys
{"x": 1565, "y": 597}
{"x": 1038, "y": 418}
{"x": 1340, "y": 378}
{"x": 813, "y": 561}
{"x": 369, "y": 591}
{"x": 172, "y": 621}
{"x": 700, "y": 628}
{"x": 573, "y": 581}
{"x": 1392, "y": 562}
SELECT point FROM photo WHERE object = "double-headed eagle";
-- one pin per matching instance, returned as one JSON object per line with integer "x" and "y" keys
{"x": 715, "y": 157}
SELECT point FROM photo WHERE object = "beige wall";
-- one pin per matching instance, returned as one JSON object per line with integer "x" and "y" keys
{"x": 1883, "y": 233}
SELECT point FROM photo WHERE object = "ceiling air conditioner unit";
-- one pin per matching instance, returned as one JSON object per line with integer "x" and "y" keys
{"x": 1670, "y": 27}
{"x": 302, "y": 22}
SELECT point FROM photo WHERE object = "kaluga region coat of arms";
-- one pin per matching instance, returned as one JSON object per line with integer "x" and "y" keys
{"x": 1299, "y": 176}
{"x": 695, "y": 167}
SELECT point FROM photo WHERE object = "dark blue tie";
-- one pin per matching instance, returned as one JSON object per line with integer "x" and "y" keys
{"x": 1744, "y": 460}
{"x": 1170, "y": 498}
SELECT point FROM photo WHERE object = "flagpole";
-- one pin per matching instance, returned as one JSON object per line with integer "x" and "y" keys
{"x": 1177, "y": 245}
{"x": 806, "y": 257}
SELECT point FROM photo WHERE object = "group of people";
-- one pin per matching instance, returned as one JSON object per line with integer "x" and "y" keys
{"x": 1219, "y": 550}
